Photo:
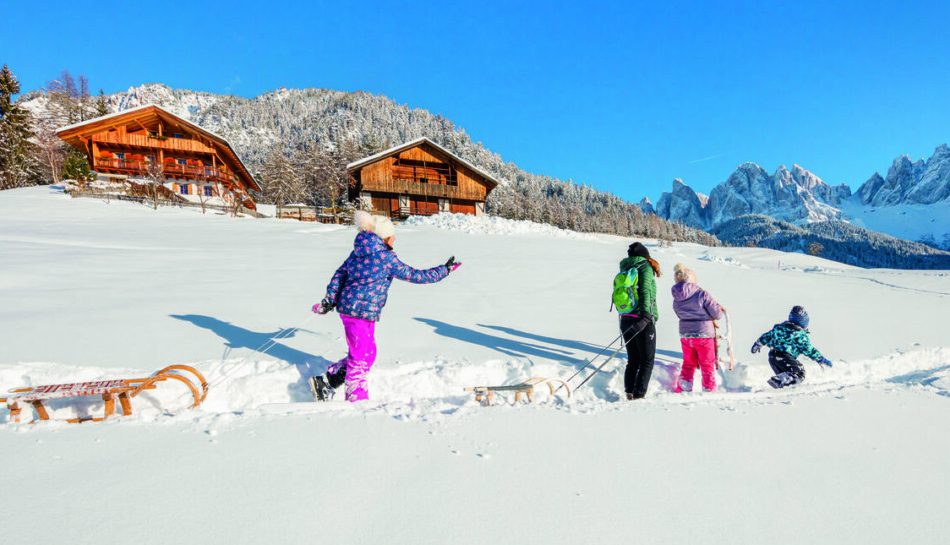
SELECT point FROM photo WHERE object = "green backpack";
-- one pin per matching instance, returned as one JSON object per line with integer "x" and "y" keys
{"x": 625, "y": 290}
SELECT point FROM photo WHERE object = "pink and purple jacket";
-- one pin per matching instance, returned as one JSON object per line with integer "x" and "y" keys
{"x": 360, "y": 286}
{"x": 696, "y": 310}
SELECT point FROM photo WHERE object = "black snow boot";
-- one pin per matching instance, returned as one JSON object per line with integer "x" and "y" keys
{"x": 321, "y": 390}
{"x": 782, "y": 380}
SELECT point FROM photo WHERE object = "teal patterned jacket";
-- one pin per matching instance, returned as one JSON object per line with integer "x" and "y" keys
{"x": 788, "y": 337}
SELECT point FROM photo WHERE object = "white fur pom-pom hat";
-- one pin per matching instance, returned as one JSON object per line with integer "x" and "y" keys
{"x": 364, "y": 221}
{"x": 368, "y": 223}
{"x": 683, "y": 274}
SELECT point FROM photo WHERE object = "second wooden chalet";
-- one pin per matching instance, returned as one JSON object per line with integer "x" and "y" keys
{"x": 132, "y": 145}
{"x": 419, "y": 178}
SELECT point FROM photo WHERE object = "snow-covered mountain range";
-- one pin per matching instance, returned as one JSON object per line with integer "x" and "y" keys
{"x": 918, "y": 192}
{"x": 796, "y": 196}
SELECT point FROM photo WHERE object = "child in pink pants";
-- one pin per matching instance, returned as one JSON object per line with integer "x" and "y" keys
{"x": 358, "y": 291}
{"x": 361, "y": 342}
{"x": 696, "y": 310}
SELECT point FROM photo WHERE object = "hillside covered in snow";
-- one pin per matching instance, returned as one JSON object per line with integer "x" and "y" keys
{"x": 96, "y": 290}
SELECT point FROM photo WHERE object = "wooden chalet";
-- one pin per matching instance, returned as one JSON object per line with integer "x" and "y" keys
{"x": 195, "y": 162}
{"x": 419, "y": 178}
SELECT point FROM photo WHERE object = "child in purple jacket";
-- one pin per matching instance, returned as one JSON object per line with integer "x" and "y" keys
{"x": 696, "y": 310}
{"x": 358, "y": 291}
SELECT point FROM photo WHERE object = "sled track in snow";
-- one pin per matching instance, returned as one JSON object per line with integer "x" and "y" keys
{"x": 433, "y": 390}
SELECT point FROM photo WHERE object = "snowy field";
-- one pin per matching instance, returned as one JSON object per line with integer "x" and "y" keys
{"x": 93, "y": 290}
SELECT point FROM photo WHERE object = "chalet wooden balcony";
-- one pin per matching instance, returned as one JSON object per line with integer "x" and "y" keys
{"x": 152, "y": 142}
{"x": 425, "y": 189}
{"x": 171, "y": 170}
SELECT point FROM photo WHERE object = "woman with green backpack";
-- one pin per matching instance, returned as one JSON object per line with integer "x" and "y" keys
{"x": 635, "y": 299}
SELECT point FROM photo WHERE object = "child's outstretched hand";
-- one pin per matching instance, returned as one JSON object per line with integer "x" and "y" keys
{"x": 756, "y": 347}
{"x": 323, "y": 307}
{"x": 452, "y": 264}
{"x": 824, "y": 362}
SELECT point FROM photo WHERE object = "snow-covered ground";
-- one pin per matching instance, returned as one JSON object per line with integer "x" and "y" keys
{"x": 908, "y": 221}
{"x": 94, "y": 290}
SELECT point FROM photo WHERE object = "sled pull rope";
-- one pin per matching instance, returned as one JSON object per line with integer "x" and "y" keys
{"x": 591, "y": 360}
{"x": 588, "y": 362}
{"x": 262, "y": 349}
{"x": 622, "y": 346}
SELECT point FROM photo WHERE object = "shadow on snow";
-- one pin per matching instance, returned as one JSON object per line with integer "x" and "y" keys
{"x": 236, "y": 338}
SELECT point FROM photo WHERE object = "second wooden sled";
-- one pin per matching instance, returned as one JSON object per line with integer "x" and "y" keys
{"x": 526, "y": 387}
{"x": 110, "y": 390}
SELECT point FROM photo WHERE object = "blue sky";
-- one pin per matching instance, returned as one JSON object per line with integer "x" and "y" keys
{"x": 622, "y": 96}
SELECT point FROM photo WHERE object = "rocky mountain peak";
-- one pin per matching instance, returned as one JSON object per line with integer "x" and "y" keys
{"x": 912, "y": 182}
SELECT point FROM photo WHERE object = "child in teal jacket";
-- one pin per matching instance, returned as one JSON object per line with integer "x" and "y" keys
{"x": 787, "y": 341}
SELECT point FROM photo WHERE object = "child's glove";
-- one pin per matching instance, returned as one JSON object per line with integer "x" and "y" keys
{"x": 452, "y": 264}
{"x": 756, "y": 347}
{"x": 323, "y": 307}
{"x": 824, "y": 362}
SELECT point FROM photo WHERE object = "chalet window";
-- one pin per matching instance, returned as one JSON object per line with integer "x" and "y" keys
{"x": 120, "y": 156}
{"x": 183, "y": 189}
{"x": 151, "y": 158}
{"x": 182, "y": 161}
{"x": 208, "y": 191}
{"x": 178, "y": 135}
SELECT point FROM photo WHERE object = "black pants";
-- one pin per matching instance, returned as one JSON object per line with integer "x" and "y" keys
{"x": 640, "y": 336}
{"x": 783, "y": 362}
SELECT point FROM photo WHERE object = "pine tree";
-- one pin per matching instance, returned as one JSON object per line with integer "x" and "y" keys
{"x": 17, "y": 164}
{"x": 76, "y": 167}
{"x": 102, "y": 104}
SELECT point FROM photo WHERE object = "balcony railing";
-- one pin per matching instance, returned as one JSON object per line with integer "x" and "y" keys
{"x": 172, "y": 170}
{"x": 148, "y": 141}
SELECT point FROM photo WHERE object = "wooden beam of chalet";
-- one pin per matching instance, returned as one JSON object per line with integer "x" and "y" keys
{"x": 141, "y": 125}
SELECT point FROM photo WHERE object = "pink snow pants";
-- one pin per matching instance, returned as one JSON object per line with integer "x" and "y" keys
{"x": 697, "y": 352}
{"x": 361, "y": 341}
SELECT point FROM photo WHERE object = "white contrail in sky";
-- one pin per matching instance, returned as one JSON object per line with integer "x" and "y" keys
{"x": 711, "y": 157}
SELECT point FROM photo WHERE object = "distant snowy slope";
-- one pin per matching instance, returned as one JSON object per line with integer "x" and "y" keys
{"x": 492, "y": 225}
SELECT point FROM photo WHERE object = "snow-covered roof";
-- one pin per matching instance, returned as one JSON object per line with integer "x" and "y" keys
{"x": 396, "y": 149}
{"x": 139, "y": 108}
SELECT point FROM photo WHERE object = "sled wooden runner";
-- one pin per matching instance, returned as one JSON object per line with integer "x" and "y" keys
{"x": 110, "y": 390}
{"x": 526, "y": 387}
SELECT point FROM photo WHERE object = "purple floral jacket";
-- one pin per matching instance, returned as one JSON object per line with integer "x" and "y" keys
{"x": 696, "y": 310}
{"x": 360, "y": 286}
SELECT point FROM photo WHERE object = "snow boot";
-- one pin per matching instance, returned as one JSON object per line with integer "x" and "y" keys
{"x": 321, "y": 390}
{"x": 782, "y": 380}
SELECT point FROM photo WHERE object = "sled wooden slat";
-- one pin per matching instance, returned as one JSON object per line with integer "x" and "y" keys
{"x": 109, "y": 390}
{"x": 526, "y": 388}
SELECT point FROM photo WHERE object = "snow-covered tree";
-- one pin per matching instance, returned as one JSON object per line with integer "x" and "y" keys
{"x": 281, "y": 181}
{"x": 18, "y": 165}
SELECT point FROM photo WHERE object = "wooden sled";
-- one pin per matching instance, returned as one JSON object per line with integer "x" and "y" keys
{"x": 110, "y": 390}
{"x": 724, "y": 335}
{"x": 526, "y": 387}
